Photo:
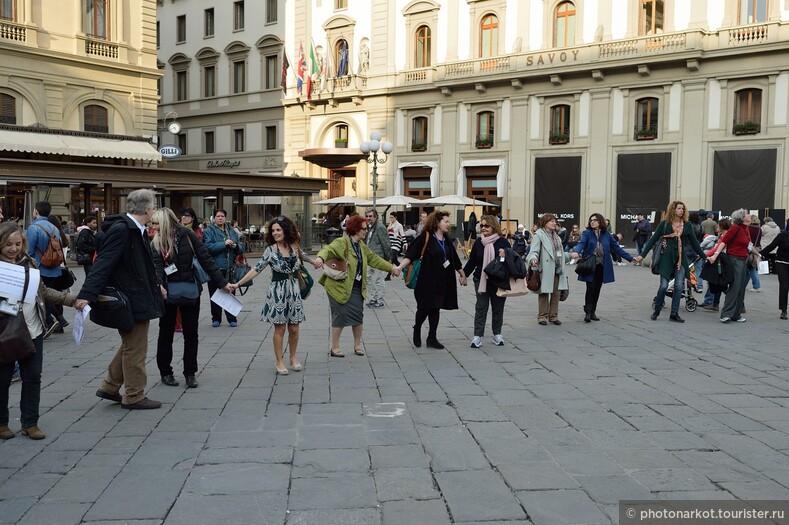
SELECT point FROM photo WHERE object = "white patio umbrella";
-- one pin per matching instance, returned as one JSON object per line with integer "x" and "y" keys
{"x": 399, "y": 200}
{"x": 345, "y": 199}
{"x": 453, "y": 200}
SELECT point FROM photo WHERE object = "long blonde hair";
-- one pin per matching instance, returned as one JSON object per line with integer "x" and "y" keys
{"x": 164, "y": 239}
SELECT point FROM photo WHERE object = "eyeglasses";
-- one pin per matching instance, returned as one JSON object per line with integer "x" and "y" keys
{"x": 484, "y": 225}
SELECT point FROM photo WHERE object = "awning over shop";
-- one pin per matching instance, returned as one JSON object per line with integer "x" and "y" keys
{"x": 77, "y": 146}
{"x": 332, "y": 157}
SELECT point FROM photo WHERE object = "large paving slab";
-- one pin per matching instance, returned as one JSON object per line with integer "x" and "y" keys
{"x": 556, "y": 426}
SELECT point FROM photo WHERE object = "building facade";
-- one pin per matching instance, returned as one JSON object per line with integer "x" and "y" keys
{"x": 611, "y": 106}
{"x": 79, "y": 97}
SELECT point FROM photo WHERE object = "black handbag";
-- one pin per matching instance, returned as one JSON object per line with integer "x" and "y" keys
{"x": 183, "y": 293}
{"x": 112, "y": 309}
{"x": 586, "y": 266}
{"x": 65, "y": 280}
{"x": 16, "y": 343}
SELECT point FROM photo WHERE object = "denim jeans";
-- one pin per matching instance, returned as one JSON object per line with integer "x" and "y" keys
{"x": 679, "y": 287}
{"x": 30, "y": 370}
{"x": 753, "y": 275}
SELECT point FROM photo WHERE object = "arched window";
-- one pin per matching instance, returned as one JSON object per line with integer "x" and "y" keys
{"x": 484, "y": 129}
{"x": 96, "y": 119}
{"x": 341, "y": 57}
{"x": 419, "y": 134}
{"x": 7, "y": 109}
{"x": 753, "y": 11}
{"x": 560, "y": 125}
{"x": 564, "y": 32}
{"x": 489, "y": 36}
{"x": 748, "y": 111}
{"x": 422, "y": 47}
{"x": 651, "y": 17}
{"x": 341, "y": 136}
{"x": 646, "y": 118}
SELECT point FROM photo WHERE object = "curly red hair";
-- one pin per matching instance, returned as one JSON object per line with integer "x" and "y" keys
{"x": 354, "y": 224}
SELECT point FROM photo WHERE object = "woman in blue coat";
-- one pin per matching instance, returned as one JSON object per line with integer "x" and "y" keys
{"x": 596, "y": 241}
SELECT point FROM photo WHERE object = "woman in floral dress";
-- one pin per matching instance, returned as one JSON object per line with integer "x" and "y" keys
{"x": 283, "y": 305}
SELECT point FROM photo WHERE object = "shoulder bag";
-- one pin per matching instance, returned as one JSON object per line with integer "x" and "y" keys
{"x": 337, "y": 269}
{"x": 305, "y": 279}
{"x": 411, "y": 274}
{"x": 517, "y": 288}
{"x": 16, "y": 344}
{"x": 533, "y": 278}
{"x": 112, "y": 309}
{"x": 183, "y": 293}
{"x": 240, "y": 268}
{"x": 65, "y": 280}
{"x": 660, "y": 245}
{"x": 201, "y": 276}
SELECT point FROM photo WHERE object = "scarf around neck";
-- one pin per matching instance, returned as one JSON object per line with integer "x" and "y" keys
{"x": 487, "y": 256}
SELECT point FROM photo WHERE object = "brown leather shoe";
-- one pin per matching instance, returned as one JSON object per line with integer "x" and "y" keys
{"x": 33, "y": 433}
{"x": 109, "y": 397}
{"x": 6, "y": 433}
{"x": 142, "y": 404}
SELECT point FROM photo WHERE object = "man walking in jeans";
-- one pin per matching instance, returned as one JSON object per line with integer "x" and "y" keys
{"x": 126, "y": 263}
{"x": 38, "y": 234}
{"x": 378, "y": 242}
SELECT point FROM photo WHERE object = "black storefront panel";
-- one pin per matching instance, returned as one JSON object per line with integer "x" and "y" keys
{"x": 744, "y": 178}
{"x": 643, "y": 185}
{"x": 557, "y": 189}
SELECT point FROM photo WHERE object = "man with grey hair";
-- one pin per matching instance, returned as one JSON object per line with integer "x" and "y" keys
{"x": 378, "y": 241}
{"x": 125, "y": 262}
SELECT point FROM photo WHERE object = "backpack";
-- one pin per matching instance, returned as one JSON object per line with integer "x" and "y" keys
{"x": 85, "y": 243}
{"x": 53, "y": 255}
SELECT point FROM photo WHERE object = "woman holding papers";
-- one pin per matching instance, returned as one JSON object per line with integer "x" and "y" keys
{"x": 174, "y": 249}
{"x": 13, "y": 250}
{"x": 283, "y": 306}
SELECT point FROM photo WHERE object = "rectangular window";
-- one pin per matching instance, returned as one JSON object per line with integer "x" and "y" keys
{"x": 208, "y": 137}
{"x": 273, "y": 74}
{"x": 238, "y": 15}
{"x": 7, "y": 109}
{"x": 182, "y": 143}
{"x": 209, "y": 81}
{"x": 96, "y": 19}
{"x": 238, "y": 140}
{"x": 753, "y": 11}
{"x": 340, "y": 4}
{"x": 651, "y": 17}
{"x": 208, "y": 30}
{"x": 7, "y": 11}
{"x": 180, "y": 85}
{"x": 158, "y": 32}
{"x": 239, "y": 76}
{"x": 180, "y": 29}
{"x": 271, "y": 137}
{"x": 271, "y": 11}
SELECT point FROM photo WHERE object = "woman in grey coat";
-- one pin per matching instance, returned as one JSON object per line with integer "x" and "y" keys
{"x": 548, "y": 257}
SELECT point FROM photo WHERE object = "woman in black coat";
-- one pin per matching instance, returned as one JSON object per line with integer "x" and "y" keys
{"x": 781, "y": 242}
{"x": 436, "y": 287}
{"x": 485, "y": 250}
{"x": 174, "y": 246}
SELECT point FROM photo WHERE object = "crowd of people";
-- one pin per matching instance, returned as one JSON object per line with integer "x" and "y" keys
{"x": 160, "y": 261}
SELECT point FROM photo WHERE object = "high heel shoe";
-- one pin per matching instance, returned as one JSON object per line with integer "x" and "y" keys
{"x": 338, "y": 353}
{"x": 295, "y": 366}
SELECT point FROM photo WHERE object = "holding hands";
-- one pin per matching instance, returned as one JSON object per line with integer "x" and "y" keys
{"x": 396, "y": 271}
{"x": 317, "y": 263}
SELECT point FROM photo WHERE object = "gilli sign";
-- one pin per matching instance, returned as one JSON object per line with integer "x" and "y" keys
{"x": 170, "y": 151}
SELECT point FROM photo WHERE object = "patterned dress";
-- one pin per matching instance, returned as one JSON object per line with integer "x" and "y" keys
{"x": 283, "y": 300}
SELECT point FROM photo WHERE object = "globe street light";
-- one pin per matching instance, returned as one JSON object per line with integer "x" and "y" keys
{"x": 370, "y": 148}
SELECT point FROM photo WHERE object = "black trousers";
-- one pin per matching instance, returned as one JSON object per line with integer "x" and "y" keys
{"x": 593, "y": 289}
{"x": 53, "y": 310}
{"x": 30, "y": 370}
{"x": 783, "y": 284}
{"x": 216, "y": 310}
{"x": 164, "y": 347}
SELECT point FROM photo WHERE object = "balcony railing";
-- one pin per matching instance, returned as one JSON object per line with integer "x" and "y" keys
{"x": 12, "y": 31}
{"x": 101, "y": 48}
{"x": 746, "y": 35}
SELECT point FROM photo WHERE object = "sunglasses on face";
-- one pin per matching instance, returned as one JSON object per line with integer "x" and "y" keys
{"x": 484, "y": 225}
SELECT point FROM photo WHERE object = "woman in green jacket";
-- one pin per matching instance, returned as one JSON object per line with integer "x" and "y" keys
{"x": 674, "y": 231}
{"x": 346, "y": 297}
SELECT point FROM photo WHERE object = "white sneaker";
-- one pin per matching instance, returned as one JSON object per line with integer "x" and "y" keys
{"x": 476, "y": 342}
{"x": 756, "y": 290}
{"x": 498, "y": 340}
{"x": 740, "y": 320}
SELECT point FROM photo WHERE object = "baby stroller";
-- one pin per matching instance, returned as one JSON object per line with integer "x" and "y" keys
{"x": 690, "y": 286}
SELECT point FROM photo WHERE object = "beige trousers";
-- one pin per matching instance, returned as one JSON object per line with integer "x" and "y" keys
{"x": 549, "y": 303}
{"x": 128, "y": 365}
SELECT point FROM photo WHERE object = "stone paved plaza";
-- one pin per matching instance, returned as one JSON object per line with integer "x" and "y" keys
{"x": 554, "y": 427}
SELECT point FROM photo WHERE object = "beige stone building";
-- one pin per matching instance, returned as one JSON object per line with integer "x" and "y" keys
{"x": 611, "y": 106}
{"x": 79, "y": 101}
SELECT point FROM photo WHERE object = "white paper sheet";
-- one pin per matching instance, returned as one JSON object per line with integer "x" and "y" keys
{"x": 79, "y": 324}
{"x": 227, "y": 301}
{"x": 12, "y": 283}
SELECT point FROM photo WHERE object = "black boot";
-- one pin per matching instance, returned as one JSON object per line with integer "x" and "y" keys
{"x": 432, "y": 342}
{"x": 417, "y": 336}
{"x": 588, "y": 316}
{"x": 592, "y": 315}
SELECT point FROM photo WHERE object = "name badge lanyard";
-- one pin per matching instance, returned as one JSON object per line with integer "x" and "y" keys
{"x": 443, "y": 249}
{"x": 359, "y": 258}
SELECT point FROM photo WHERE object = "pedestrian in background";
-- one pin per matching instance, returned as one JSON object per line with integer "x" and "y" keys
{"x": 436, "y": 288}
{"x": 674, "y": 232}
{"x": 711, "y": 302}
{"x": 548, "y": 257}
{"x": 13, "y": 250}
{"x": 38, "y": 239}
{"x": 86, "y": 244}
{"x": 174, "y": 247}
{"x": 283, "y": 306}
{"x": 484, "y": 250}
{"x": 755, "y": 232}
{"x": 346, "y": 297}
{"x": 596, "y": 241}
{"x": 224, "y": 245}
{"x": 378, "y": 241}
{"x": 396, "y": 237}
{"x": 781, "y": 241}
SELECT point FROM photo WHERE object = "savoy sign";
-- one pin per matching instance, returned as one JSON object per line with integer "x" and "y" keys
{"x": 170, "y": 151}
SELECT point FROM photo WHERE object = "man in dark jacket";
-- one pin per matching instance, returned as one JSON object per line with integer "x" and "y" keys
{"x": 125, "y": 262}
{"x": 642, "y": 231}
{"x": 86, "y": 243}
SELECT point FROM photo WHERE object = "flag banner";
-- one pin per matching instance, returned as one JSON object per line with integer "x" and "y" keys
{"x": 313, "y": 70}
{"x": 285, "y": 66}
{"x": 342, "y": 66}
{"x": 300, "y": 67}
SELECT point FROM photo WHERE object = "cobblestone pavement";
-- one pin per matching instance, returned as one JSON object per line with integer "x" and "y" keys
{"x": 554, "y": 427}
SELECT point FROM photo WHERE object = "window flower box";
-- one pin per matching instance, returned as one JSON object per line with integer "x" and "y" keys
{"x": 646, "y": 134}
{"x": 484, "y": 142}
{"x": 747, "y": 128}
{"x": 558, "y": 138}
{"x": 341, "y": 143}
{"x": 418, "y": 146}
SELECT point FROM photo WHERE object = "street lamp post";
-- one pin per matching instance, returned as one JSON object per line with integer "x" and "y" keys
{"x": 370, "y": 148}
